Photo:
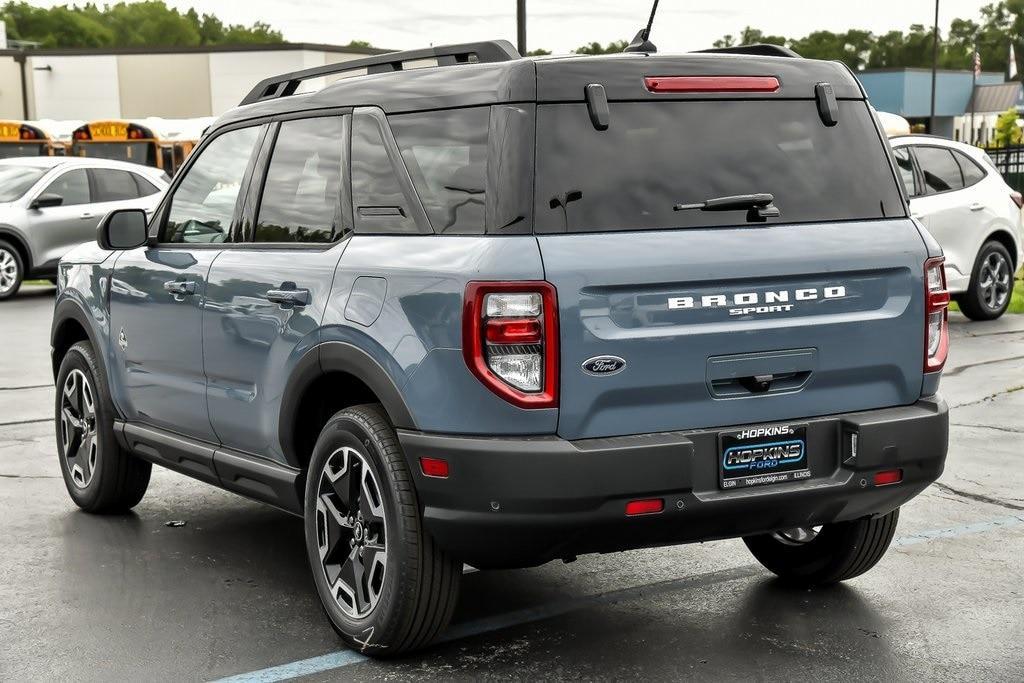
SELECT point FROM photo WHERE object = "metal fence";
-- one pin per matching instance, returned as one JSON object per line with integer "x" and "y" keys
{"x": 1010, "y": 162}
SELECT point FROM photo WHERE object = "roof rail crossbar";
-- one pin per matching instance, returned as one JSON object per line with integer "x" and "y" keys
{"x": 446, "y": 55}
{"x": 762, "y": 49}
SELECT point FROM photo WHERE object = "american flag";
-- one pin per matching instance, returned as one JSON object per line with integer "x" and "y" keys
{"x": 977, "y": 64}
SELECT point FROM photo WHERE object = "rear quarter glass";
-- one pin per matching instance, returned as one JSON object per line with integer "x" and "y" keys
{"x": 655, "y": 155}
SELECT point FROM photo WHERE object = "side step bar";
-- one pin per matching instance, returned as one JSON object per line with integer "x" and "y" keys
{"x": 248, "y": 475}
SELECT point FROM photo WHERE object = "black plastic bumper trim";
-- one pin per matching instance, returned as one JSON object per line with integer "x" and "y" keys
{"x": 522, "y": 501}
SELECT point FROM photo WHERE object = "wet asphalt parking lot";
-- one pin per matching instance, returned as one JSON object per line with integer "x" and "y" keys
{"x": 128, "y": 598}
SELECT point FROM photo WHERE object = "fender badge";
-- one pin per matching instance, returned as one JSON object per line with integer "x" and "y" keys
{"x": 122, "y": 341}
{"x": 602, "y": 366}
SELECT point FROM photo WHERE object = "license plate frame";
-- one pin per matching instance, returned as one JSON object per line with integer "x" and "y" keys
{"x": 762, "y": 455}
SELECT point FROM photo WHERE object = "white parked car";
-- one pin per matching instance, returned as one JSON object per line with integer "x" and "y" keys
{"x": 958, "y": 194}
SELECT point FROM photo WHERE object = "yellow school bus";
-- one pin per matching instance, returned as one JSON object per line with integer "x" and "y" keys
{"x": 161, "y": 143}
{"x": 29, "y": 139}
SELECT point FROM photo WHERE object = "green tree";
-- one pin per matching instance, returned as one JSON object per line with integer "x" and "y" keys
{"x": 126, "y": 24}
{"x": 1007, "y": 130}
{"x": 539, "y": 52}
{"x": 596, "y": 48}
{"x": 999, "y": 25}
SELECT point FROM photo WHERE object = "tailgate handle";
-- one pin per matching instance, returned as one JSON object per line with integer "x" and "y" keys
{"x": 760, "y": 384}
{"x": 760, "y": 374}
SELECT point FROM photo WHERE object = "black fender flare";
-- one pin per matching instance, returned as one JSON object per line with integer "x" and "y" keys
{"x": 336, "y": 356}
{"x": 69, "y": 309}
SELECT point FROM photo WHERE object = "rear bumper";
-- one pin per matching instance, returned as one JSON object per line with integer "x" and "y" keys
{"x": 522, "y": 501}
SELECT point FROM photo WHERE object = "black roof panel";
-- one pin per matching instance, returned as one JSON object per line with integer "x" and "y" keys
{"x": 553, "y": 79}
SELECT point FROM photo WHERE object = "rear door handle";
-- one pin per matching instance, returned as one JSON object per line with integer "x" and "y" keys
{"x": 288, "y": 297}
{"x": 87, "y": 216}
{"x": 180, "y": 287}
{"x": 976, "y": 206}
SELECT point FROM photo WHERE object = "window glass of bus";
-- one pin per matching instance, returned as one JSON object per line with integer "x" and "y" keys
{"x": 972, "y": 172}
{"x": 446, "y": 154}
{"x": 906, "y": 166}
{"x": 380, "y": 204}
{"x": 302, "y": 193}
{"x": 10, "y": 150}
{"x": 144, "y": 187}
{"x": 113, "y": 185}
{"x": 940, "y": 170}
{"x": 655, "y": 155}
{"x": 203, "y": 204}
{"x": 15, "y": 181}
{"x": 73, "y": 187}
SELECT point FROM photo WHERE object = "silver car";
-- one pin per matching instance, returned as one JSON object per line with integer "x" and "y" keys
{"x": 50, "y": 204}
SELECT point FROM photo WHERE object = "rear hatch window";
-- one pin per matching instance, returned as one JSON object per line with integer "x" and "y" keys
{"x": 655, "y": 155}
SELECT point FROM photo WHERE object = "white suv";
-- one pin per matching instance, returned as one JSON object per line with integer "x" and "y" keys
{"x": 958, "y": 194}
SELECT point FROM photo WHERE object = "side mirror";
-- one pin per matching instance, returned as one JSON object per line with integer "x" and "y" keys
{"x": 122, "y": 229}
{"x": 46, "y": 200}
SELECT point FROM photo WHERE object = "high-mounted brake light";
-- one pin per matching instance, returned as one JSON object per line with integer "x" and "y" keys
{"x": 936, "y": 326}
{"x": 705, "y": 84}
{"x": 510, "y": 340}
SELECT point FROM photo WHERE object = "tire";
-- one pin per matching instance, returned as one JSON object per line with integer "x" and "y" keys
{"x": 988, "y": 296}
{"x": 101, "y": 477}
{"x": 12, "y": 270}
{"x": 408, "y": 599}
{"x": 837, "y": 552}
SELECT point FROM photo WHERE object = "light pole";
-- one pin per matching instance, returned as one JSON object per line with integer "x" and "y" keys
{"x": 521, "y": 26}
{"x": 935, "y": 66}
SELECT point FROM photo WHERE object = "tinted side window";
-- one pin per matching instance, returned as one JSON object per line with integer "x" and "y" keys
{"x": 113, "y": 185}
{"x": 73, "y": 186}
{"x": 302, "y": 193}
{"x": 144, "y": 187}
{"x": 204, "y": 202}
{"x": 906, "y": 166}
{"x": 380, "y": 204}
{"x": 446, "y": 154}
{"x": 941, "y": 172}
{"x": 972, "y": 172}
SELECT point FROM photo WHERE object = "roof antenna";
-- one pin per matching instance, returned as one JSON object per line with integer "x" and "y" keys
{"x": 641, "y": 42}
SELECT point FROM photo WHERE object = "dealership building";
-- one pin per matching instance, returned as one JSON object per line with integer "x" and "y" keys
{"x": 908, "y": 92}
{"x": 182, "y": 82}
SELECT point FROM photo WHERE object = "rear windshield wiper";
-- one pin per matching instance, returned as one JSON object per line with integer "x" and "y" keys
{"x": 759, "y": 207}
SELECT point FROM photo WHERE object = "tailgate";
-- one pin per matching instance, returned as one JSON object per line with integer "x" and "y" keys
{"x": 736, "y": 326}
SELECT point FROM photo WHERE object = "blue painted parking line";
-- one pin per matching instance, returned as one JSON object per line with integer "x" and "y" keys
{"x": 343, "y": 658}
{"x": 965, "y": 530}
{"x": 303, "y": 667}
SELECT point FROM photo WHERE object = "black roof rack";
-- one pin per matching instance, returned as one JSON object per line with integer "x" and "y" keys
{"x": 762, "y": 49}
{"x": 287, "y": 84}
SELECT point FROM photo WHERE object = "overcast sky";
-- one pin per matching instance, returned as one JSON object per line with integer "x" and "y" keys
{"x": 562, "y": 25}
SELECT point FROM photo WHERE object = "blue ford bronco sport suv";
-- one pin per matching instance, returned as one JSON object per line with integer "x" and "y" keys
{"x": 501, "y": 311}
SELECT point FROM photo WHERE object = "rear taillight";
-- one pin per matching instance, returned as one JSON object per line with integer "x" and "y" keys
{"x": 936, "y": 329}
{"x": 1018, "y": 199}
{"x": 510, "y": 340}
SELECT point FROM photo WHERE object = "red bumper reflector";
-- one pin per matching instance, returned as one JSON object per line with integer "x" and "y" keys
{"x": 434, "y": 467}
{"x": 645, "y": 507}
{"x": 699, "y": 84}
{"x": 886, "y": 477}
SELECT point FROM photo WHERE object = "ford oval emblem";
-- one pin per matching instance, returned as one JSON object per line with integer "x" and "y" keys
{"x": 602, "y": 366}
